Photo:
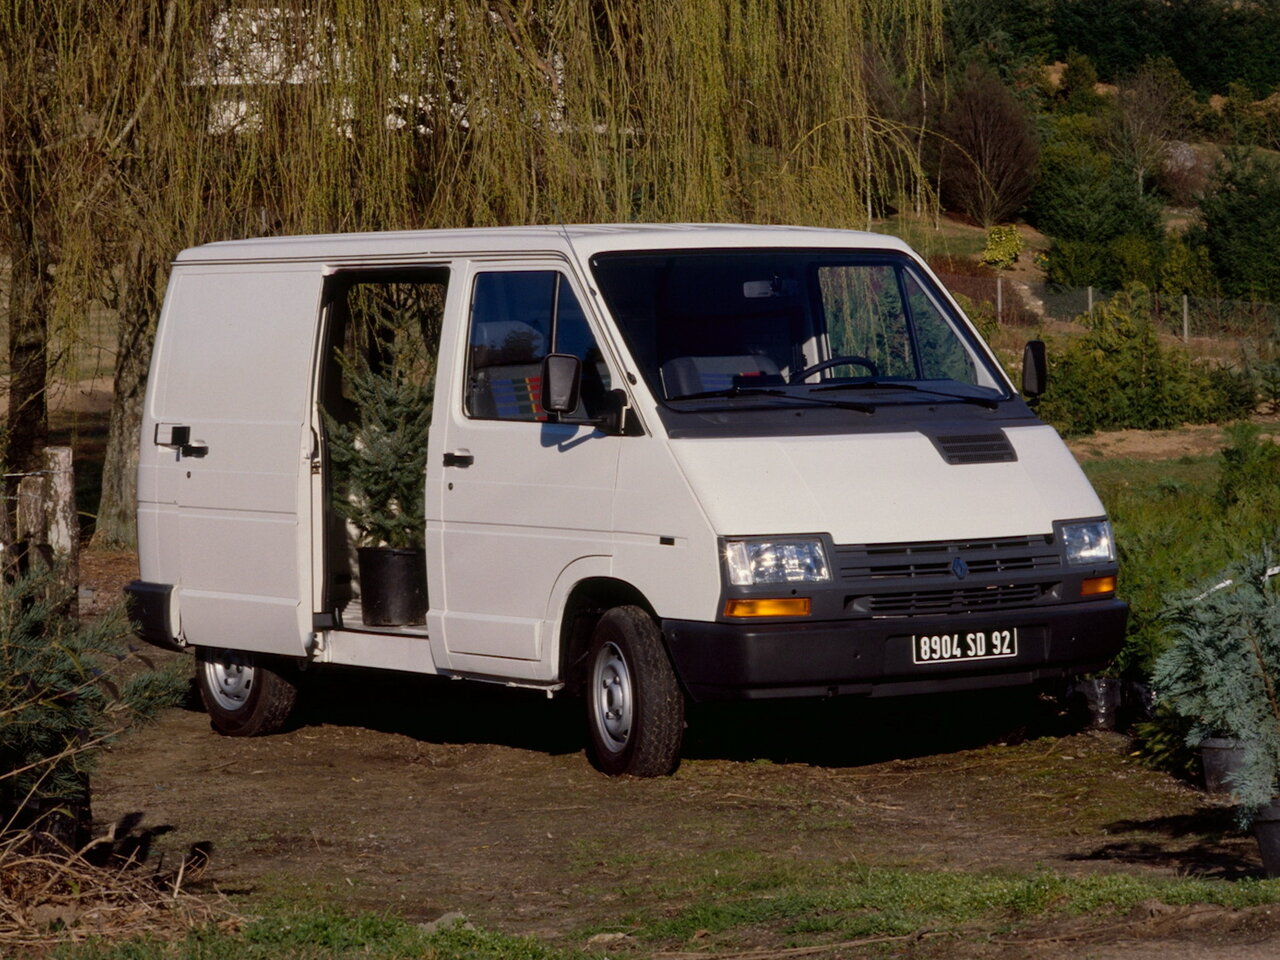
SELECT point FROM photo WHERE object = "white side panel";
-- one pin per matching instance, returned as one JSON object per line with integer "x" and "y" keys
{"x": 654, "y": 500}
{"x": 235, "y": 365}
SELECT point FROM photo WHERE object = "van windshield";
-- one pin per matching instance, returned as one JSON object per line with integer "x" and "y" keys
{"x": 820, "y": 327}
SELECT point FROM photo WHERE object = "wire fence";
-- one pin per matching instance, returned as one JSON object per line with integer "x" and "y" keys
{"x": 1188, "y": 318}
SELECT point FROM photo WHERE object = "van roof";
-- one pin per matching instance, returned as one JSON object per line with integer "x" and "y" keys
{"x": 585, "y": 240}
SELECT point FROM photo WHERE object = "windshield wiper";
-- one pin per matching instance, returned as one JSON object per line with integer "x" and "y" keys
{"x": 736, "y": 391}
{"x": 894, "y": 384}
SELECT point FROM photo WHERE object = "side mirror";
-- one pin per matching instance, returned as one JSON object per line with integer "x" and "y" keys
{"x": 1035, "y": 369}
{"x": 561, "y": 383}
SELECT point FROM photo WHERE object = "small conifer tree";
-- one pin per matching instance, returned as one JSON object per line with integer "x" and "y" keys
{"x": 380, "y": 457}
{"x": 1222, "y": 670}
{"x": 66, "y": 687}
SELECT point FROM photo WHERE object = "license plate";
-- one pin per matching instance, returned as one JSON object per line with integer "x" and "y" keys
{"x": 964, "y": 645}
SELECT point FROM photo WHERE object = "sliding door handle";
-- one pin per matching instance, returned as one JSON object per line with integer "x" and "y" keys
{"x": 459, "y": 458}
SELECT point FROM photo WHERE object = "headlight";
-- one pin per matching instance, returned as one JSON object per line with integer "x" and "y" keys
{"x": 1089, "y": 542}
{"x": 775, "y": 561}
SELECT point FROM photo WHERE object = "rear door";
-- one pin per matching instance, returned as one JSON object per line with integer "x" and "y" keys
{"x": 231, "y": 426}
{"x": 520, "y": 498}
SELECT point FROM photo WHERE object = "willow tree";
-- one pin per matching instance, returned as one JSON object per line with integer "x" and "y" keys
{"x": 199, "y": 120}
{"x": 41, "y": 128}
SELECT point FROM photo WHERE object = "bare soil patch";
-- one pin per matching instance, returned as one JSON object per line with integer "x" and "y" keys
{"x": 1191, "y": 440}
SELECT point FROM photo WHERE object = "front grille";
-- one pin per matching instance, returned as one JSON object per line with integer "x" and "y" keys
{"x": 960, "y": 600}
{"x": 936, "y": 558}
{"x": 947, "y": 576}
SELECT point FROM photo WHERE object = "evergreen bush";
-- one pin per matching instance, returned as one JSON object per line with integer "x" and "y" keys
{"x": 1221, "y": 670}
{"x": 1250, "y": 473}
{"x": 1003, "y": 246}
{"x": 379, "y": 458}
{"x": 1119, "y": 375}
{"x": 1241, "y": 225}
{"x": 63, "y": 692}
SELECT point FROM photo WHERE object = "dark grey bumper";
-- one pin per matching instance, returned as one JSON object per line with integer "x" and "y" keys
{"x": 148, "y": 608}
{"x": 732, "y": 661}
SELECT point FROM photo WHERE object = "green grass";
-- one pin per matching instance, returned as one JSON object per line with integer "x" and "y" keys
{"x": 1172, "y": 532}
{"x": 324, "y": 935}
{"x": 722, "y": 906}
{"x": 851, "y": 900}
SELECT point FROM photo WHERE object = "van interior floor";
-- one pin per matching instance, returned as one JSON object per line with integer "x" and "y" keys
{"x": 352, "y": 618}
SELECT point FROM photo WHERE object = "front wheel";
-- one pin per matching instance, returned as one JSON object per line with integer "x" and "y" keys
{"x": 245, "y": 694}
{"x": 635, "y": 710}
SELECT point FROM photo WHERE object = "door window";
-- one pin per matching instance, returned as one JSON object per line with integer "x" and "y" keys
{"x": 517, "y": 318}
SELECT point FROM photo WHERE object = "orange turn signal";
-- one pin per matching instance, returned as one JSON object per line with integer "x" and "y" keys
{"x": 1096, "y": 585}
{"x": 771, "y": 607}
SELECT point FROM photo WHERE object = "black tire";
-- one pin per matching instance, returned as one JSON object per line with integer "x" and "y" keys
{"x": 635, "y": 710}
{"x": 245, "y": 694}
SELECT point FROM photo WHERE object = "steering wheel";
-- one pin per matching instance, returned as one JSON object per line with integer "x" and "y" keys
{"x": 801, "y": 375}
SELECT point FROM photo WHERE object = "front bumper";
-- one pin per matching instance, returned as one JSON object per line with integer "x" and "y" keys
{"x": 735, "y": 661}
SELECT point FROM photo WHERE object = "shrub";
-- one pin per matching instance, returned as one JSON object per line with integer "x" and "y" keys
{"x": 1222, "y": 669}
{"x": 1003, "y": 246}
{"x": 1119, "y": 375}
{"x": 62, "y": 694}
{"x": 1250, "y": 472}
{"x": 1185, "y": 269}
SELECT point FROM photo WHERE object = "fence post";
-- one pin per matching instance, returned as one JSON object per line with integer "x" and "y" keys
{"x": 999, "y": 298}
{"x": 1090, "y": 296}
{"x": 1186, "y": 320}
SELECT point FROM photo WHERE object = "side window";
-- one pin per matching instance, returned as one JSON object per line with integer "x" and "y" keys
{"x": 517, "y": 318}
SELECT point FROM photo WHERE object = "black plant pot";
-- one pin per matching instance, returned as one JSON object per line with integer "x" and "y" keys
{"x": 393, "y": 586}
{"x": 1221, "y": 759}
{"x": 1266, "y": 827}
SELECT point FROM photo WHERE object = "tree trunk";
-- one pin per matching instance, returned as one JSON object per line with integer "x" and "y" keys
{"x": 139, "y": 310}
{"x": 29, "y": 295}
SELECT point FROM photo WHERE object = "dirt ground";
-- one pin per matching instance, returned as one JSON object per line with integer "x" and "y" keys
{"x": 429, "y": 797}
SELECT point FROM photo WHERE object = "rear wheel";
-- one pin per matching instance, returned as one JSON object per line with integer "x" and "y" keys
{"x": 245, "y": 694}
{"x": 635, "y": 710}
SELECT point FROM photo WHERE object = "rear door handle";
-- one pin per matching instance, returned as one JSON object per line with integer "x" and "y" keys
{"x": 459, "y": 459}
{"x": 179, "y": 435}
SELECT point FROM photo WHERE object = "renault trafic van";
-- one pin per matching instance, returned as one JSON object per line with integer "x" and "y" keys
{"x": 666, "y": 463}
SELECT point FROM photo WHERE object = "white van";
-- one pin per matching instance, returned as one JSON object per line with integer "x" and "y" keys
{"x": 665, "y": 462}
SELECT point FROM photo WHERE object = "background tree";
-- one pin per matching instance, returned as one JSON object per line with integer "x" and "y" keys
{"x": 1154, "y": 106}
{"x": 1104, "y": 232}
{"x": 139, "y": 128}
{"x": 1240, "y": 225}
{"x": 990, "y": 151}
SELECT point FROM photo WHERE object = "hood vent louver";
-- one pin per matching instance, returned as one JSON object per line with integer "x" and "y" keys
{"x": 975, "y": 448}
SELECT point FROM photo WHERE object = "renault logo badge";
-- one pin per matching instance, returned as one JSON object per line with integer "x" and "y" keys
{"x": 959, "y": 568}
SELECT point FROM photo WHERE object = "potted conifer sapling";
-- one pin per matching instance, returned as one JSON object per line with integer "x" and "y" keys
{"x": 1222, "y": 671}
{"x": 379, "y": 462}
